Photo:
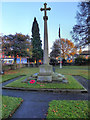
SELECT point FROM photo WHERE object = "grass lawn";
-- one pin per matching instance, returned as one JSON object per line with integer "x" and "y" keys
{"x": 9, "y": 105}
{"x": 68, "y": 109}
{"x": 74, "y": 70}
{"x": 68, "y": 71}
{"x": 8, "y": 77}
{"x": 15, "y": 73}
{"x": 57, "y": 109}
{"x": 72, "y": 84}
{"x": 75, "y": 67}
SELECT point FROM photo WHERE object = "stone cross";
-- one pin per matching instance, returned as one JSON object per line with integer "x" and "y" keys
{"x": 45, "y": 56}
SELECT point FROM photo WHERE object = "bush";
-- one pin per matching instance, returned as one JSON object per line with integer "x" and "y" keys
{"x": 80, "y": 60}
{"x": 53, "y": 62}
{"x": 8, "y": 67}
{"x": 64, "y": 62}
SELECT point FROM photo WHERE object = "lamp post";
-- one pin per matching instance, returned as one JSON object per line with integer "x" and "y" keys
{"x": 60, "y": 48}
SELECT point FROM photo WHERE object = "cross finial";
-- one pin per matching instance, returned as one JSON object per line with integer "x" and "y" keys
{"x": 45, "y": 9}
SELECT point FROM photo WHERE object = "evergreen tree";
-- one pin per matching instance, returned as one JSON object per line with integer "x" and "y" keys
{"x": 81, "y": 31}
{"x": 36, "y": 42}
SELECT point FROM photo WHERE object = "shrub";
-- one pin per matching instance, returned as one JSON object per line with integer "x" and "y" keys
{"x": 53, "y": 61}
{"x": 80, "y": 60}
{"x": 8, "y": 67}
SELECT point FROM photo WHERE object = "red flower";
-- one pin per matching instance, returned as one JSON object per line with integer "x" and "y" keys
{"x": 32, "y": 81}
{"x": 41, "y": 85}
{"x": 38, "y": 82}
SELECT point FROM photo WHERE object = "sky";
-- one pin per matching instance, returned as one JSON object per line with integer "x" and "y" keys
{"x": 19, "y": 16}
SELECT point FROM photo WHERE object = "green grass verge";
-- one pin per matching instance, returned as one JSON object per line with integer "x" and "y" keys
{"x": 8, "y": 77}
{"x": 74, "y": 67}
{"x": 72, "y": 84}
{"x": 15, "y": 73}
{"x": 68, "y": 109}
{"x": 66, "y": 70}
{"x": 77, "y": 71}
{"x": 9, "y": 105}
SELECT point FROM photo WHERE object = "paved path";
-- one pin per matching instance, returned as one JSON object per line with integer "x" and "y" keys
{"x": 84, "y": 82}
{"x": 35, "y": 104}
{"x": 9, "y": 81}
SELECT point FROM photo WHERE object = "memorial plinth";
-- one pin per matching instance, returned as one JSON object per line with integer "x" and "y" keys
{"x": 45, "y": 73}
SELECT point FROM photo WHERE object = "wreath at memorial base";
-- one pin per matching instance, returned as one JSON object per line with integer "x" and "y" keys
{"x": 32, "y": 82}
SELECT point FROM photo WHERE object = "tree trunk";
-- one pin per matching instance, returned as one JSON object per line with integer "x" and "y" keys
{"x": 28, "y": 63}
{"x": 15, "y": 63}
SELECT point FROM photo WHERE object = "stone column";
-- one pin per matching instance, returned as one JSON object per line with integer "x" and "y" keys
{"x": 45, "y": 72}
{"x": 45, "y": 57}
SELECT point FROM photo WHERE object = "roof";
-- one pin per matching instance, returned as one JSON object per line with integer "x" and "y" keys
{"x": 85, "y": 52}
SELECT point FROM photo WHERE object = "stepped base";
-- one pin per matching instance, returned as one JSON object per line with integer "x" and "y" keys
{"x": 44, "y": 78}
